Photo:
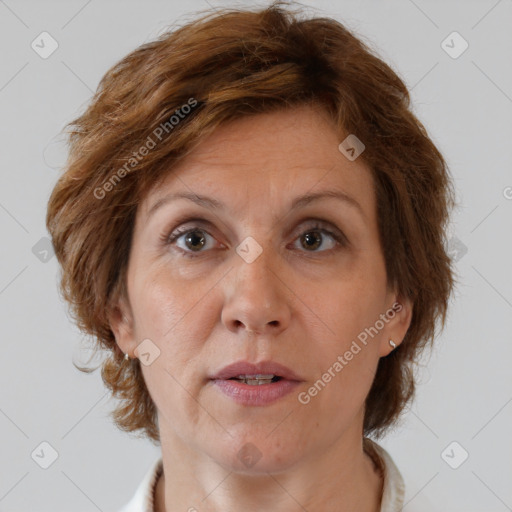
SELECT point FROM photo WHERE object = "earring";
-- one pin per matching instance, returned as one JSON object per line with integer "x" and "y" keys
{"x": 393, "y": 344}
{"x": 126, "y": 357}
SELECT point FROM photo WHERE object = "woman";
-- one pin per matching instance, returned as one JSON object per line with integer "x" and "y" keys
{"x": 251, "y": 222}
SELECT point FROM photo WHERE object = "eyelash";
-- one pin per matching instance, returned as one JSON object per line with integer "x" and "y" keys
{"x": 169, "y": 239}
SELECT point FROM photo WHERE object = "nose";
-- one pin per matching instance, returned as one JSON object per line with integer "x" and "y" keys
{"x": 256, "y": 299}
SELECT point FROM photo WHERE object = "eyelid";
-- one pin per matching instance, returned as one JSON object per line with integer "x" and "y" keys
{"x": 201, "y": 223}
{"x": 194, "y": 220}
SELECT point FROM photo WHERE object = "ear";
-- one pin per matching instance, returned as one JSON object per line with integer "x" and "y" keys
{"x": 399, "y": 316}
{"x": 121, "y": 322}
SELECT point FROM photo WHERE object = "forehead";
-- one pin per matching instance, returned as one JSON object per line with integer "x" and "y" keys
{"x": 268, "y": 156}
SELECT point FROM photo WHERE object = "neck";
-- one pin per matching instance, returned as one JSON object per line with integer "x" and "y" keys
{"x": 344, "y": 480}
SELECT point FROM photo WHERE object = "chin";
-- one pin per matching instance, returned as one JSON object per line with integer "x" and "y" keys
{"x": 258, "y": 457}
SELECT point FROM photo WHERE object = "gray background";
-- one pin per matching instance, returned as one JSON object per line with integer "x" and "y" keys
{"x": 465, "y": 388}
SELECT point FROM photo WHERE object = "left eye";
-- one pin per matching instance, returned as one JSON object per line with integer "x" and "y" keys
{"x": 313, "y": 238}
{"x": 196, "y": 238}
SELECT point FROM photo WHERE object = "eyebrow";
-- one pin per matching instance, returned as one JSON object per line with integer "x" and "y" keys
{"x": 214, "y": 204}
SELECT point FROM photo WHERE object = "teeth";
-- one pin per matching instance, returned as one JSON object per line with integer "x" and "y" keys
{"x": 256, "y": 380}
{"x": 257, "y": 376}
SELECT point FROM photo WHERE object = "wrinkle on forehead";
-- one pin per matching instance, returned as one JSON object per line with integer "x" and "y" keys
{"x": 255, "y": 162}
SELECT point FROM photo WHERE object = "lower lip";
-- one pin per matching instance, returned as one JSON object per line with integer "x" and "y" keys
{"x": 262, "y": 394}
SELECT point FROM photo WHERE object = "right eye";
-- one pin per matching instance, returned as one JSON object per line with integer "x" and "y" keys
{"x": 192, "y": 239}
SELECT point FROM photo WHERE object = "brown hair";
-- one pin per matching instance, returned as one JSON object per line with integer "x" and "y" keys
{"x": 224, "y": 65}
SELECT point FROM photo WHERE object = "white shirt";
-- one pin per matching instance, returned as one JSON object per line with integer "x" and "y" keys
{"x": 393, "y": 491}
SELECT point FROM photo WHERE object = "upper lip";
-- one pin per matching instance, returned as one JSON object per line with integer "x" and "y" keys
{"x": 264, "y": 367}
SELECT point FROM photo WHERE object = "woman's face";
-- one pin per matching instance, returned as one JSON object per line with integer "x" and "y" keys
{"x": 304, "y": 290}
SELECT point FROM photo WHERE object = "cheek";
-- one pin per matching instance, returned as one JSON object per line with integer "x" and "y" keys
{"x": 345, "y": 350}
{"x": 161, "y": 301}
{"x": 173, "y": 315}
{"x": 348, "y": 307}
{"x": 346, "y": 369}
{"x": 159, "y": 308}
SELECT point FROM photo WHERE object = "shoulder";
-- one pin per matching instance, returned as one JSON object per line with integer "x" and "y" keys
{"x": 393, "y": 490}
{"x": 395, "y": 494}
{"x": 142, "y": 499}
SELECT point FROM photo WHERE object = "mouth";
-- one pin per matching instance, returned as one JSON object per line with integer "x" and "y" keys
{"x": 256, "y": 384}
{"x": 264, "y": 372}
{"x": 257, "y": 380}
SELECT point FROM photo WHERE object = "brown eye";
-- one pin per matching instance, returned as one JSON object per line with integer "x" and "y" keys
{"x": 189, "y": 241}
{"x": 312, "y": 239}
{"x": 195, "y": 240}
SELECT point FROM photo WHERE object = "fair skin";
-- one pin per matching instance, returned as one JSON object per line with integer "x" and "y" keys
{"x": 302, "y": 303}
